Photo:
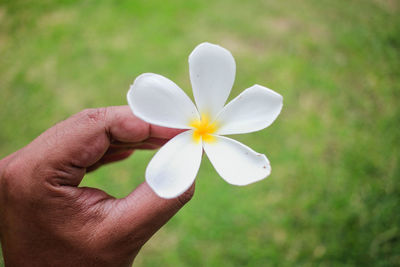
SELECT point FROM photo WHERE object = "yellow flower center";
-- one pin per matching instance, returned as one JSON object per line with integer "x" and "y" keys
{"x": 203, "y": 129}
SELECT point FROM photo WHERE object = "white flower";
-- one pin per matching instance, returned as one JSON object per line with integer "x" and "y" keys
{"x": 157, "y": 100}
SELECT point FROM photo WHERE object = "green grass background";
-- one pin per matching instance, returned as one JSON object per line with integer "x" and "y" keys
{"x": 333, "y": 198}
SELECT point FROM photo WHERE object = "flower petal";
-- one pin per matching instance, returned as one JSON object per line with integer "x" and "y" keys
{"x": 212, "y": 73}
{"x": 158, "y": 100}
{"x": 254, "y": 109}
{"x": 236, "y": 163}
{"x": 173, "y": 168}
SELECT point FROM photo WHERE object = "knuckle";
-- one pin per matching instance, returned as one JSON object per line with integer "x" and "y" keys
{"x": 10, "y": 171}
{"x": 6, "y": 176}
{"x": 9, "y": 177}
{"x": 94, "y": 114}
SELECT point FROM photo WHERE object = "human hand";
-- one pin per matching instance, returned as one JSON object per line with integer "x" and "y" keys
{"x": 47, "y": 220}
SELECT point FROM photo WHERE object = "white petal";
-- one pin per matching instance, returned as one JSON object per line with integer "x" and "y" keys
{"x": 254, "y": 109}
{"x": 173, "y": 168}
{"x": 236, "y": 163}
{"x": 158, "y": 100}
{"x": 212, "y": 73}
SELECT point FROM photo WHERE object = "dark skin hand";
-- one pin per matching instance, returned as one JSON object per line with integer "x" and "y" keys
{"x": 47, "y": 220}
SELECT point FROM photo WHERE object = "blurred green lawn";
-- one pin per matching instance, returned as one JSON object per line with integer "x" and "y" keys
{"x": 333, "y": 198}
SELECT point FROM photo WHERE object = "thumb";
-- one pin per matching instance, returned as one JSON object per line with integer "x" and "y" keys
{"x": 142, "y": 213}
{"x": 81, "y": 141}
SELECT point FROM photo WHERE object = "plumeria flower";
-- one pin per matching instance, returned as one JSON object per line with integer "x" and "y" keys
{"x": 157, "y": 100}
